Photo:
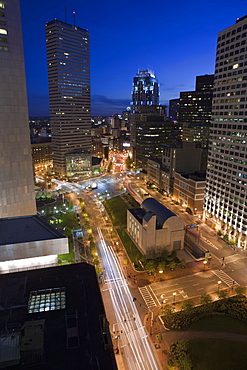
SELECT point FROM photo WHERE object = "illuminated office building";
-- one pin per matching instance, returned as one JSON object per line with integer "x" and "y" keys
{"x": 225, "y": 205}
{"x": 69, "y": 93}
{"x": 145, "y": 88}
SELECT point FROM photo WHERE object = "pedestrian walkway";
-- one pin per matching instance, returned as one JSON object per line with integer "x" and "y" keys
{"x": 225, "y": 278}
{"x": 147, "y": 297}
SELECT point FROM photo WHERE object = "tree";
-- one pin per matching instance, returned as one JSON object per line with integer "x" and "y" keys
{"x": 187, "y": 305}
{"x": 226, "y": 238}
{"x": 240, "y": 290}
{"x": 160, "y": 266}
{"x": 150, "y": 266}
{"x": 164, "y": 254}
{"x": 168, "y": 310}
{"x": 223, "y": 294}
{"x": 172, "y": 265}
{"x": 153, "y": 255}
{"x": 159, "y": 338}
{"x": 205, "y": 299}
{"x": 183, "y": 263}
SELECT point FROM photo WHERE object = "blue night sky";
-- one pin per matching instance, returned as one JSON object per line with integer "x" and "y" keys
{"x": 177, "y": 39}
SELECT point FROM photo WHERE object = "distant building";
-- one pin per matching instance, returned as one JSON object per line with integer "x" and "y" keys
{"x": 189, "y": 190}
{"x": 42, "y": 153}
{"x": 154, "y": 228}
{"x": 69, "y": 93}
{"x": 174, "y": 105}
{"x": 195, "y": 112}
{"x": 145, "y": 88}
{"x": 149, "y": 130}
{"x": 225, "y": 197}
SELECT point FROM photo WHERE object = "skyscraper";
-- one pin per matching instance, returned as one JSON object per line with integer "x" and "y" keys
{"x": 145, "y": 88}
{"x": 226, "y": 198}
{"x": 17, "y": 196}
{"x": 69, "y": 93}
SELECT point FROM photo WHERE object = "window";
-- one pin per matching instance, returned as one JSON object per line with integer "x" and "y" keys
{"x": 1, "y": 5}
{"x": 3, "y": 32}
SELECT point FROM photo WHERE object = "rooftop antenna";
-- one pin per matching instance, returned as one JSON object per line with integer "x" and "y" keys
{"x": 65, "y": 13}
{"x": 74, "y": 13}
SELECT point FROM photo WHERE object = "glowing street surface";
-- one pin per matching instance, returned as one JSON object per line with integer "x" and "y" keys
{"x": 133, "y": 338}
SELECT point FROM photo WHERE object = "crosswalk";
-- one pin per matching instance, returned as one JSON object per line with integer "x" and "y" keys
{"x": 225, "y": 278}
{"x": 147, "y": 297}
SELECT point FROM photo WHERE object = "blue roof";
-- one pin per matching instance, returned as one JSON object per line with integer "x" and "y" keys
{"x": 162, "y": 213}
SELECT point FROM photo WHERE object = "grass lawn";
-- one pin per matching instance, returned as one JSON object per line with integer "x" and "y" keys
{"x": 133, "y": 252}
{"x": 220, "y": 323}
{"x": 65, "y": 259}
{"x": 218, "y": 354}
{"x": 68, "y": 219}
{"x": 117, "y": 210}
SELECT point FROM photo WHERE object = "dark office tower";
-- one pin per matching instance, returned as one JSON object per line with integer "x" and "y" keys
{"x": 145, "y": 88}
{"x": 225, "y": 205}
{"x": 150, "y": 129}
{"x": 195, "y": 110}
{"x": 69, "y": 92}
{"x": 174, "y": 109}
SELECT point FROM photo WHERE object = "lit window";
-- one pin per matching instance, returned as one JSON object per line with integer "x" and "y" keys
{"x": 3, "y": 32}
{"x": 2, "y": 5}
{"x": 235, "y": 66}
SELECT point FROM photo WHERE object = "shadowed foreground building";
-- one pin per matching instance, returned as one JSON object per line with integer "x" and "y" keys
{"x": 54, "y": 319}
{"x": 22, "y": 234}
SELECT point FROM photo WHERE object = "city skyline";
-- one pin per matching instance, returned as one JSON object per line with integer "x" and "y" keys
{"x": 182, "y": 38}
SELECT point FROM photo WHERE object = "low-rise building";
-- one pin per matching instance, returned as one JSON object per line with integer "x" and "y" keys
{"x": 189, "y": 190}
{"x": 153, "y": 227}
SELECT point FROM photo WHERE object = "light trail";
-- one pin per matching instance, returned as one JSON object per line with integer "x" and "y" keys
{"x": 133, "y": 335}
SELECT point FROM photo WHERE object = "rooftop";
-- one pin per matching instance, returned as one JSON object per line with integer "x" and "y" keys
{"x": 72, "y": 337}
{"x": 26, "y": 229}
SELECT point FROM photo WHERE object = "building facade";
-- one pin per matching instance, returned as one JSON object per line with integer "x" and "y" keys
{"x": 68, "y": 64}
{"x": 17, "y": 197}
{"x": 225, "y": 205}
{"x": 179, "y": 157}
{"x": 189, "y": 190}
{"x": 145, "y": 88}
{"x": 154, "y": 228}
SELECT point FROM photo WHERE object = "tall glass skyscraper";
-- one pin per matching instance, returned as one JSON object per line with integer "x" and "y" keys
{"x": 145, "y": 89}
{"x": 69, "y": 93}
{"x": 226, "y": 187}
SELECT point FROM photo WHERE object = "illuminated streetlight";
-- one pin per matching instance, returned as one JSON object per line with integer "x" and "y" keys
{"x": 174, "y": 297}
{"x": 204, "y": 263}
{"x": 219, "y": 282}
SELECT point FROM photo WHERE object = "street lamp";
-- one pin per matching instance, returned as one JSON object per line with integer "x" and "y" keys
{"x": 160, "y": 272}
{"x": 174, "y": 297}
{"x": 204, "y": 263}
{"x": 219, "y": 282}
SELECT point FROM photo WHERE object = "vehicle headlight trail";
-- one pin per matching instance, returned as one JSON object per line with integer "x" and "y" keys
{"x": 133, "y": 338}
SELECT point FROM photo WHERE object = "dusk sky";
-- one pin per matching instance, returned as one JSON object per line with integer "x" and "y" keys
{"x": 176, "y": 39}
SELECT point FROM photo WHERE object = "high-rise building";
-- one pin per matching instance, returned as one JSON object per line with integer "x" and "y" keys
{"x": 69, "y": 93}
{"x": 174, "y": 109}
{"x": 145, "y": 88}
{"x": 26, "y": 240}
{"x": 225, "y": 205}
{"x": 195, "y": 109}
{"x": 17, "y": 197}
{"x": 150, "y": 130}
